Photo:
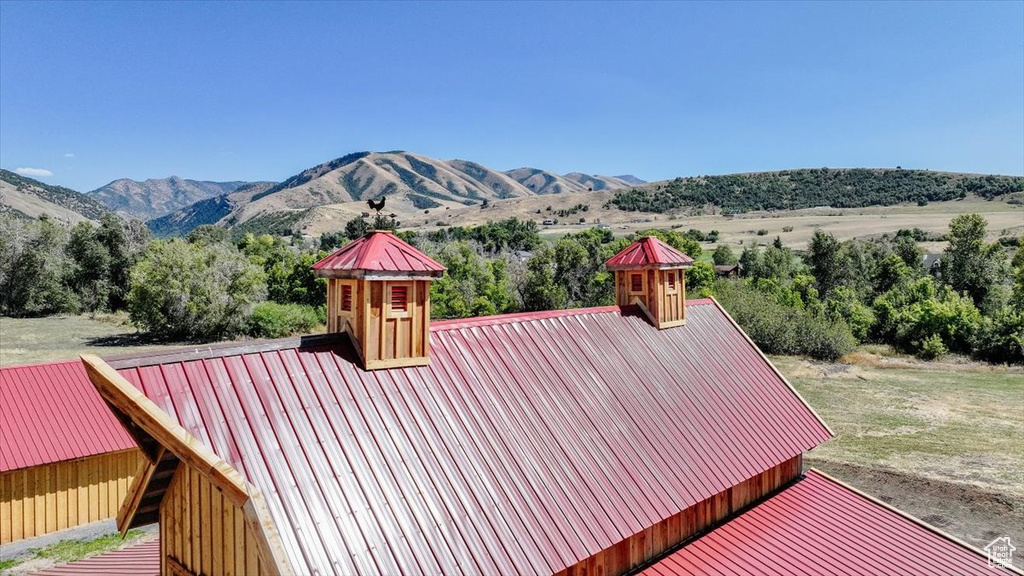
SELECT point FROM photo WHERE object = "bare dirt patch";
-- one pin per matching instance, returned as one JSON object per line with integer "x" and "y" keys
{"x": 972, "y": 514}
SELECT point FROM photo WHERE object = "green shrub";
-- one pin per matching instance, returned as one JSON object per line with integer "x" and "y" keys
{"x": 700, "y": 275}
{"x": 274, "y": 320}
{"x": 724, "y": 256}
{"x": 194, "y": 292}
{"x": 931, "y": 348}
{"x": 1000, "y": 338}
{"x": 472, "y": 285}
{"x": 858, "y": 316}
{"x": 911, "y": 314}
{"x": 780, "y": 329}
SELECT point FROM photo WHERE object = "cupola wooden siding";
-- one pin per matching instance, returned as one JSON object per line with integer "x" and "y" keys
{"x": 378, "y": 291}
{"x": 651, "y": 274}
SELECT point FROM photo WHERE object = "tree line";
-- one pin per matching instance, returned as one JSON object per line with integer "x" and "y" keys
{"x": 821, "y": 302}
{"x": 808, "y": 188}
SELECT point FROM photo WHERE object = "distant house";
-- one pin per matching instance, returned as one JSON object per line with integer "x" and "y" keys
{"x": 932, "y": 263}
{"x": 548, "y": 222}
{"x": 729, "y": 270}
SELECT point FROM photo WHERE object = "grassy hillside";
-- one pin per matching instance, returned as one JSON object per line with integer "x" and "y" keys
{"x": 31, "y": 198}
{"x": 808, "y": 188}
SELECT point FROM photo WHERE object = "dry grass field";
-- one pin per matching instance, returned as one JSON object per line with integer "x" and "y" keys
{"x": 941, "y": 440}
{"x": 34, "y": 340}
{"x": 1003, "y": 218}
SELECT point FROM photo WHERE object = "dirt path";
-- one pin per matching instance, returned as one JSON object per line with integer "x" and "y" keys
{"x": 972, "y": 514}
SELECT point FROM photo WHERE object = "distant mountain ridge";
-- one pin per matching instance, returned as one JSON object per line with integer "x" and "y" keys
{"x": 209, "y": 211}
{"x": 411, "y": 182}
{"x": 631, "y": 179}
{"x": 156, "y": 197}
{"x": 30, "y": 198}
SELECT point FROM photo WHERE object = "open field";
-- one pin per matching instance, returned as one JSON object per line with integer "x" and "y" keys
{"x": 33, "y": 340}
{"x": 845, "y": 223}
{"x": 939, "y": 440}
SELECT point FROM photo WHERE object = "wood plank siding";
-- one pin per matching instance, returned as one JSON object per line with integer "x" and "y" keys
{"x": 50, "y": 497}
{"x": 656, "y": 540}
{"x": 389, "y": 321}
{"x": 203, "y": 532}
{"x": 662, "y": 292}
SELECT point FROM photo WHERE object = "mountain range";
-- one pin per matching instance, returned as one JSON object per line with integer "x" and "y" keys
{"x": 339, "y": 188}
{"x": 412, "y": 183}
{"x": 29, "y": 198}
{"x": 158, "y": 196}
{"x": 427, "y": 192}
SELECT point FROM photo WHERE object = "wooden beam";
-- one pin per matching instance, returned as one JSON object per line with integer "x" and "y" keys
{"x": 268, "y": 539}
{"x": 639, "y": 303}
{"x": 123, "y": 396}
{"x": 136, "y": 492}
{"x": 126, "y": 398}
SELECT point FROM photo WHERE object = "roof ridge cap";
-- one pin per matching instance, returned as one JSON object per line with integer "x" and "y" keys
{"x": 366, "y": 247}
{"x": 519, "y": 317}
{"x": 39, "y": 364}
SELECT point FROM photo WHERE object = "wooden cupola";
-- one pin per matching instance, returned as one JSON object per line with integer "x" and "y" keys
{"x": 378, "y": 291}
{"x": 650, "y": 274}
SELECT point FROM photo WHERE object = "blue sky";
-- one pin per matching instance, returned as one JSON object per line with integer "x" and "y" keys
{"x": 91, "y": 92}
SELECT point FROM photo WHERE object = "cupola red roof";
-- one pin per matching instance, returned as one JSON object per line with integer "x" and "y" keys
{"x": 648, "y": 252}
{"x": 380, "y": 252}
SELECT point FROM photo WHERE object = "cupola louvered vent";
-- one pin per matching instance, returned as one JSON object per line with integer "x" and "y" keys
{"x": 346, "y": 297}
{"x": 399, "y": 299}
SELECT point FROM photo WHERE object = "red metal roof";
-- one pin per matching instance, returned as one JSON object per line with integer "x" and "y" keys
{"x": 379, "y": 252}
{"x": 529, "y": 443}
{"x": 135, "y": 560}
{"x": 818, "y": 526}
{"x": 52, "y": 412}
{"x": 648, "y": 252}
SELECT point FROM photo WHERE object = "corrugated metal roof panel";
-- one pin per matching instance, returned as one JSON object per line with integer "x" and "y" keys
{"x": 529, "y": 443}
{"x": 52, "y": 412}
{"x": 648, "y": 252}
{"x": 135, "y": 560}
{"x": 818, "y": 526}
{"x": 379, "y": 252}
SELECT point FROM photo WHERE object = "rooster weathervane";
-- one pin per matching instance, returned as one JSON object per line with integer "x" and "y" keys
{"x": 378, "y": 206}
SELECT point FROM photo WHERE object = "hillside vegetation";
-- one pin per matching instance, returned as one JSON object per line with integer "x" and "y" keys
{"x": 807, "y": 188}
{"x": 209, "y": 211}
{"x": 29, "y": 198}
